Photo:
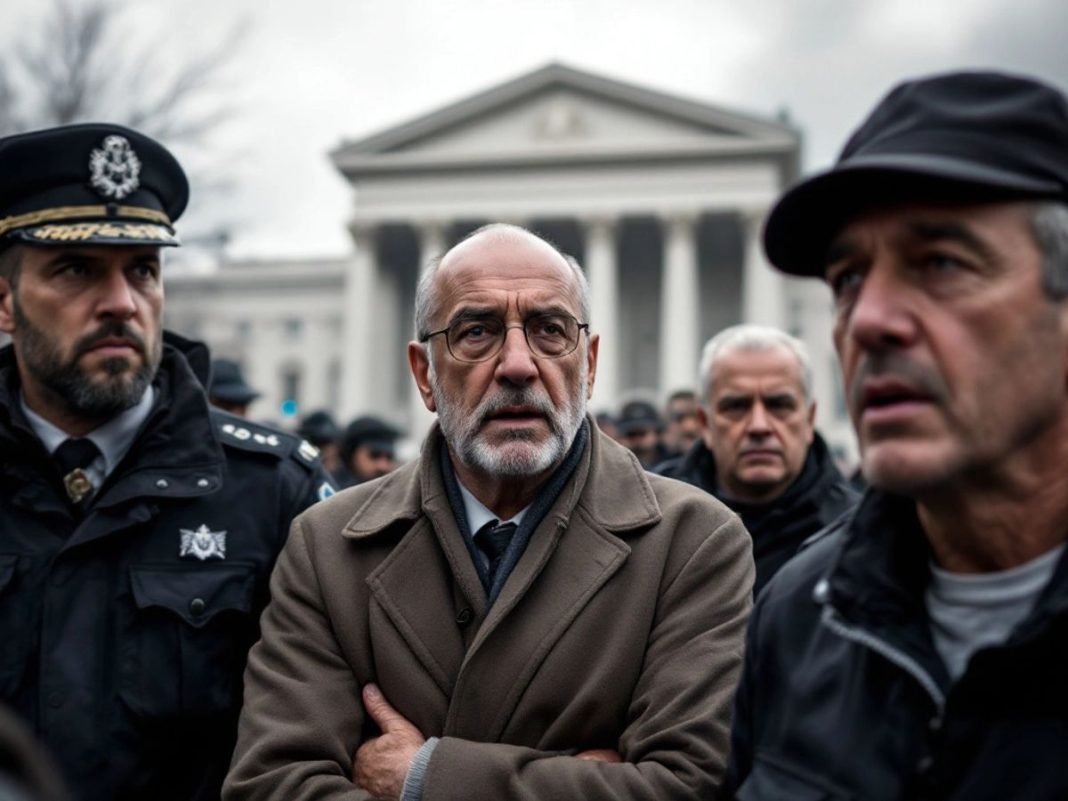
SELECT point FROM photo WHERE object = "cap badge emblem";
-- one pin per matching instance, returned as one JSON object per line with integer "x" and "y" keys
{"x": 114, "y": 168}
{"x": 203, "y": 543}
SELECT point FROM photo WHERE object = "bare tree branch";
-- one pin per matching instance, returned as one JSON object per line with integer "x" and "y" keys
{"x": 76, "y": 66}
{"x": 78, "y": 63}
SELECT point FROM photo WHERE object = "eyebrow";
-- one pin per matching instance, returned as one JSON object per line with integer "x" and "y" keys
{"x": 934, "y": 232}
{"x": 487, "y": 312}
{"x": 928, "y": 232}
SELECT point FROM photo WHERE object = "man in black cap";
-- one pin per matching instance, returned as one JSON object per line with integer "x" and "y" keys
{"x": 918, "y": 650}
{"x": 137, "y": 525}
{"x": 320, "y": 430}
{"x": 228, "y": 389}
{"x": 367, "y": 451}
{"x": 640, "y": 426}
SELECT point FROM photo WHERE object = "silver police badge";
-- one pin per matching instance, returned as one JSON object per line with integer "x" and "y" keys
{"x": 203, "y": 543}
{"x": 114, "y": 168}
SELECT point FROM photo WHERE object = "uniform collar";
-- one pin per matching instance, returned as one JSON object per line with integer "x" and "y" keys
{"x": 114, "y": 438}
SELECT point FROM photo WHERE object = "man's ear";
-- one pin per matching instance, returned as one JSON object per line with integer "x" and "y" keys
{"x": 419, "y": 362}
{"x": 7, "y": 306}
{"x": 591, "y": 355}
{"x": 811, "y": 422}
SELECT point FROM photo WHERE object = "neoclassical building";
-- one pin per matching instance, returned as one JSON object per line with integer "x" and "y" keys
{"x": 661, "y": 199}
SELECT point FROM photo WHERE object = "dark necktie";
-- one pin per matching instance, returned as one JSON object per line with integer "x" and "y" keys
{"x": 72, "y": 457}
{"x": 492, "y": 539}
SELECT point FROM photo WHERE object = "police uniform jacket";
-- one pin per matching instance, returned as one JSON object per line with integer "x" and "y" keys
{"x": 845, "y": 697}
{"x": 122, "y": 648}
{"x": 816, "y": 498}
{"x": 620, "y": 627}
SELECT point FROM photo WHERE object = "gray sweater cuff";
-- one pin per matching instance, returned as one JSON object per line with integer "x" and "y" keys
{"x": 413, "y": 782}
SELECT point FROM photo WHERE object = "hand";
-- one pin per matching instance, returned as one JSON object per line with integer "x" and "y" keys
{"x": 381, "y": 763}
{"x": 599, "y": 755}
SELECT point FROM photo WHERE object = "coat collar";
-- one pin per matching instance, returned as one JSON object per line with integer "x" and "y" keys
{"x": 609, "y": 484}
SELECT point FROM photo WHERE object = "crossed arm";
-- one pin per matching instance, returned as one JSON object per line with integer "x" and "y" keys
{"x": 381, "y": 764}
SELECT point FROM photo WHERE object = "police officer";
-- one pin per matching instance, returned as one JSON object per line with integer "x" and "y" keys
{"x": 138, "y": 526}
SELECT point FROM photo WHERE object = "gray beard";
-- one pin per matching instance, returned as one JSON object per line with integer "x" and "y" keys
{"x": 68, "y": 383}
{"x": 463, "y": 430}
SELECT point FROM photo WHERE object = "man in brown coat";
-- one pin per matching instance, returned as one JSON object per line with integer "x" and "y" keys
{"x": 586, "y": 647}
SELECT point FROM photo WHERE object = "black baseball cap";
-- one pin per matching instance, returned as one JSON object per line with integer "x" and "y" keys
{"x": 962, "y": 137}
{"x": 92, "y": 183}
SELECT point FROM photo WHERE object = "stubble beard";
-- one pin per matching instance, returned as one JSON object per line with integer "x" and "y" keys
{"x": 67, "y": 382}
{"x": 520, "y": 456}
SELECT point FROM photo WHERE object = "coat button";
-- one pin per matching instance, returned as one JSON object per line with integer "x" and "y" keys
{"x": 196, "y": 606}
{"x": 464, "y": 617}
{"x": 56, "y": 699}
{"x": 821, "y": 594}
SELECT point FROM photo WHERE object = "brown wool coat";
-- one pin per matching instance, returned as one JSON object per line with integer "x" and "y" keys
{"x": 621, "y": 627}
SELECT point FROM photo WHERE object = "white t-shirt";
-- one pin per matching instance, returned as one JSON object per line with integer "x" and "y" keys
{"x": 973, "y": 611}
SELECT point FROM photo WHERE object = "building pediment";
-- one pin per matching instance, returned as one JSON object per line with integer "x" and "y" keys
{"x": 559, "y": 114}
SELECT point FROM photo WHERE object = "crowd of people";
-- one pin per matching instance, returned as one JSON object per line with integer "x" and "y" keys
{"x": 684, "y": 604}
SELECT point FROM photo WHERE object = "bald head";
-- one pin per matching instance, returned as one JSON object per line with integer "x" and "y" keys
{"x": 488, "y": 238}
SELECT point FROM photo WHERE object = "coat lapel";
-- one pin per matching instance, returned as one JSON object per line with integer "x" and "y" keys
{"x": 576, "y": 549}
{"x": 572, "y": 554}
{"x": 415, "y": 584}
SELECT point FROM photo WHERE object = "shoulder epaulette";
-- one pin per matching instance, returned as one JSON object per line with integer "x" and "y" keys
{"x": 237, "y": 432}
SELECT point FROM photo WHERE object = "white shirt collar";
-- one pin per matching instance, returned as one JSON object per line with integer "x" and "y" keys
{"x": 114, "y": 438}
{"x": 477, "y": 513}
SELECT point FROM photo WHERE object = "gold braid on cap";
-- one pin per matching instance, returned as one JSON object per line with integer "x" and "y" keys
{"x": 81, "y": 212}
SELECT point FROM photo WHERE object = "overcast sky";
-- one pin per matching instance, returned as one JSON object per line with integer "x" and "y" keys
{"x": 308, "y": 74}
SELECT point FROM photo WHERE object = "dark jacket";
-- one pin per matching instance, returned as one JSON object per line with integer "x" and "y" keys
{"x": 817, "y": 497}
{"x": 124, "y": 656}
{"x": 845, "y": 697}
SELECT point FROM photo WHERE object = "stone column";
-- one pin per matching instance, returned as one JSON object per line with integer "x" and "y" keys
{"x": 358, "y": 332}
{"x": 762, "y": 286}
{"x": 679, "y": 305}
{"x": 432, "y": 243}
{"x": 602, "y": 271}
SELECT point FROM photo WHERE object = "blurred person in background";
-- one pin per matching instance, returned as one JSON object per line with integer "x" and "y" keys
{"x": 640, "y": 427}
{"x": 228, "y": 390}
{"x": 760, "y": 452}
{"x": 367, "y": 451}
{"x": 683, "y": 424}
{"x": 320, "y": 430}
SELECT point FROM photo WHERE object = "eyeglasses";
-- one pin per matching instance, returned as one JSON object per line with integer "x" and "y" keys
{"x": 476, "y": 339}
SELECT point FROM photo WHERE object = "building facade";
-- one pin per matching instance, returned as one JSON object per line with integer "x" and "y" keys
{"x": 660, "y": 199}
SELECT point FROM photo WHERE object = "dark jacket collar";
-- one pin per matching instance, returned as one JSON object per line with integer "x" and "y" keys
{"x": 879, "y": 576}
{"x": 176, "y": 439}
{"x": 809, "y": 489}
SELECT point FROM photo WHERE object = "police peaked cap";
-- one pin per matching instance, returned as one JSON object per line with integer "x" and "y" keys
{"x": 963, "y": 137}
{"x": 93, "y": 183}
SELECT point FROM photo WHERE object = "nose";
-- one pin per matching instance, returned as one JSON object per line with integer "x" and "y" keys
{"x": 880, "y": 317}
{"x": 515, "y": 362}
{"x": 758, "y": 424}
{"x": 116, "y": 296}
